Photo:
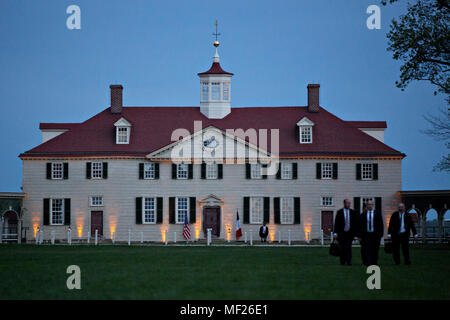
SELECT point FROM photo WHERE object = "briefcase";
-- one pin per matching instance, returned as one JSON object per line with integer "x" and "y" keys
{"x": 335, "y": 249}
{"x": 388, "y": 247}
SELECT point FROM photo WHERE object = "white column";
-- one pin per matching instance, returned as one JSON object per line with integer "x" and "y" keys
{"x": 174, "y": 237}
{"x": 114, "y": 237}
{"x": 69, "y": 236}
{"x": 37, "y": 237}
{"x": 307, "y": 237}
{"x": 52, "y": 237}
{"x": 245, "y": 236}
{"x": 41, "y": 238}
{"x": 89, "y": 237}
{"x": 208, "y": 237}
{"x": 142, "y": 237}
{"x": 279, "y": 236}
{"x": 166, "y": 237}
{"x": 96, "y": 236}
{"x": 251, "y": 237}
{"x": 1, "y": 228}
{"x": 321, "y": 237}
{"x": 129, "y": 236}
{"x": 289, "y": 237}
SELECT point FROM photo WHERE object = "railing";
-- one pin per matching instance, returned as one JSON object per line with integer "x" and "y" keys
{"x": 10, "y": 233}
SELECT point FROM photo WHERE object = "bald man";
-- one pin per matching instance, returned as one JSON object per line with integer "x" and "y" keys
{"x": 400, "y": 227}
{"x": 346, "y": 226}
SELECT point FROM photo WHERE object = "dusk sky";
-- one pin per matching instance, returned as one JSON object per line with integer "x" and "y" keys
{"x": 155, "y": 49}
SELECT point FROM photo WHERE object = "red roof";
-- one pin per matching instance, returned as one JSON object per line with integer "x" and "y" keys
{"x": 368, "y": 124}
{"x": 215, "y": 69}
{"x": 152, "y": 129}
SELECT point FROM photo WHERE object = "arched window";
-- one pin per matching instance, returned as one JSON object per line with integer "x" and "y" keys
{"x": 432, "y": 223}
{"x": 446, "y": 223}
{"x": 416, "y": 220}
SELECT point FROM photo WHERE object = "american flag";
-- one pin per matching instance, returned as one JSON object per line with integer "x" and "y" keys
{"x": 187, "y": 229}
{"x": 238, "y": 227}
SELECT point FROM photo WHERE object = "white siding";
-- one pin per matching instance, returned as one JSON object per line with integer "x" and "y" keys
{"x": 123, "y": 186}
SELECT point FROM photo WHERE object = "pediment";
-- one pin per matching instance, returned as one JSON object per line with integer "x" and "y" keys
{"x": 305, "y": 122}
{"x": 122, "y": 122}
{"x": 210, "y": 145}
{"x": 211, "y": 200}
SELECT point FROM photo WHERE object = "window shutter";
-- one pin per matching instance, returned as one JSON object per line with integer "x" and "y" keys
{"x": 141, "y": 171}
{"x": 159, "y": 210}
{"x": 294, "y": 170}
{"x": 65, "y": 170}
{"x": 46, "y": 212}
{"x": 276, "y": 210}
{"x": 335, "y": 170}
{"x": 357, "y": 204}
{"x": 157, "y": 170}
{"x": 172, "y": 210}
{"x": 220, "y": 171}
{"x": 378, "y": 205}
{"x": 278, "y": 176}
{"x": 358, "y": 171}
{"x": 296, "y": 210}
{"x": 190, "y": 171}
{"x": 375, "y": 171}
{"x": 105, "y": 170}
{"x": 192, "y": 210}
{"x": 247, "y": 171}
{"x": 139, "y": 210}
{"x": 49, "y": 170}
{"x": 318, "y": 170}
{"x": 88, "y": 170}
{"x": 67, "y": 212}
{"x": 264, "y": 169}
{"x": 246, "y": 210}
{"x": 266, "y": 209}
{"x": 203, "y": 171}
{"x": 174, "y": 171}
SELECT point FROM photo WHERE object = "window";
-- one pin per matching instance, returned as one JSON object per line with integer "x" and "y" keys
{"x": 149, "y": 171}
{"x": 96, "y": 201}
{"x": 226, "y": 91}
{"x": 287, "y": 210}
{"x": 367, "y": 171}
{"x": 57, "y": 212}
{"x": 256, "y": 210}
{"x": 57, "y": 170}
{"x": 326, "y": 201}
{"x": 256, "y": 171}
{"x": 122, "y": 135}
{"x": 182, "y": 171}
{"x": 286, "y": 171}
{"x": 305, "y": 134}
{"x": 149, "y": 210}
{"x": 215, "y": 91}
{"x": 205, "y": 91}
{"x": 182, "y": 209}
{"x": 327, "y": 170}
{"x": 97, "y": 170}
{"x": 211, "y": 171}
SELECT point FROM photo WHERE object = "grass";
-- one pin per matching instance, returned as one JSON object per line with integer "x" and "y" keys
{"x": 154, "y": 272}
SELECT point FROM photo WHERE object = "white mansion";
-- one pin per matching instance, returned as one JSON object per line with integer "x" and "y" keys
{"x": 130, "y": 169}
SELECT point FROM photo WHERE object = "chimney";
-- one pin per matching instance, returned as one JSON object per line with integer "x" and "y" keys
{"x": 116, "y": 98}
{"x": 313, "y": 97}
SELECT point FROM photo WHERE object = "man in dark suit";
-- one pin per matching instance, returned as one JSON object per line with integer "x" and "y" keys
{"x": 345, "y": 228}
{"x": 400, "y": 227}
{"x": 371, "y": 232}
{"x": 263, "y": 232}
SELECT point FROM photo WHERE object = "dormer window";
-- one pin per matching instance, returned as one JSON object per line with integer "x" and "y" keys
{"x": 205, "y": 91}
{"x": 123, "y": 130}
{"x": 305, "y": 127}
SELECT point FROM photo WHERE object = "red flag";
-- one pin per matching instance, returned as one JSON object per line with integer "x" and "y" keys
{"x": 238, "y": 227}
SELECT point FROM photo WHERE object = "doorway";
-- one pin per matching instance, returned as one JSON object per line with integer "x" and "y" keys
{"x": 97, "y": 222}
{"x": 327, "y": 223}
{"x": 211, "y": 219}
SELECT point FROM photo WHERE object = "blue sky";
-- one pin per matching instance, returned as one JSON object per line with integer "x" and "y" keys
{"x": 155, "y": 49}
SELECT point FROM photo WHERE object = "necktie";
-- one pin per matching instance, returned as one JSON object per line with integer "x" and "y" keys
{"x": 370, "y": 221}
{"x": 346, "y": 221}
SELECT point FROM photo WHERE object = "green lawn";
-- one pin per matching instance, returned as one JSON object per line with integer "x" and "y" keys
{"x": 158, "y": 272}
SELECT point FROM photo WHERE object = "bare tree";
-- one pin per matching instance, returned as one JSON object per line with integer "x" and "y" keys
{"x": 440, "y": 131}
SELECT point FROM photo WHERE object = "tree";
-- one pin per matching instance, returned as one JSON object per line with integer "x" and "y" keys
{"x": 440, "y": 131}
{"x": 421, "y": 39}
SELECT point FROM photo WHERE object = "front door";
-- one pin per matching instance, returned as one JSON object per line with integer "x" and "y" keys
{"x": 211, "y": 219}
{"x": 327, "y": 222}
{"x": 96, "y": 222}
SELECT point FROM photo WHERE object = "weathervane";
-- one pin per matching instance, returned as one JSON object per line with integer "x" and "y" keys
{"x": 216, "y": 34}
